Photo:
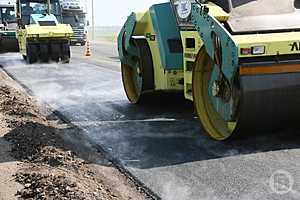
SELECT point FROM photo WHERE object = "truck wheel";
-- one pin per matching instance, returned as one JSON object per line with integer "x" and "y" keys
{"x": 44, "y": 53}
{"x": 66, "y": 54}
{"x": 55, "y": 52}
{"x": 31, "y": 53}
{"x": 139, "y": 79}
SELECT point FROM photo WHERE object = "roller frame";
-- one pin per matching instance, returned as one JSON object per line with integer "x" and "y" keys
{"x": 128, "y": 53}
{"x": 206, "y": 24}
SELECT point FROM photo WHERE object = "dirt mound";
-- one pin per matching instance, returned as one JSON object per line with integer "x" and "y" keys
{"x": 41, "y": 143}
{"x": 58, "y": 157}
{"x": 13, "y": 103}
{"x": 49, "y": 170}
{"x": 46, "y": 186}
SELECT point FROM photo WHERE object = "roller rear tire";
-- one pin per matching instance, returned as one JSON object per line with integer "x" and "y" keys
{"x": 211, "y": 121}
{"x": 55, "y": 52}
{"x": 139, "y": 80}
{"x": 132, "y": 85}
{"x": 31, "y": 53}
{"x": 44, "y": 53}
{"x": 65, "y": 53}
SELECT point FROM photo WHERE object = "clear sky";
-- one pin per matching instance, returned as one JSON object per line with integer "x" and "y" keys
{"x": 114, "y": 12}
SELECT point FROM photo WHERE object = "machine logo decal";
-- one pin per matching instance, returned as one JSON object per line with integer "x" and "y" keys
{"x": 150, "y": 36}
{"x": 184, "y": 9}
{"x": 295, "y": 46}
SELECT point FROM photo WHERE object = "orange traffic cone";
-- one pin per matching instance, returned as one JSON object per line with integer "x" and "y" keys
{"x": 88, "y": 52}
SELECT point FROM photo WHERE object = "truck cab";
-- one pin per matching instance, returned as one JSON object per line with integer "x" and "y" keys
{"x": 71, "y": 5}
{"x": 73, "y": 13}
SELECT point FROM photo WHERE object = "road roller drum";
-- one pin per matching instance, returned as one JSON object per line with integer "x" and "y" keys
{"x": 238, "y": 61}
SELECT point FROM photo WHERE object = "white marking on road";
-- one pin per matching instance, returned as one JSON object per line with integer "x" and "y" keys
{"x": 131, "y": 160}
{"x": 98, "y": 123}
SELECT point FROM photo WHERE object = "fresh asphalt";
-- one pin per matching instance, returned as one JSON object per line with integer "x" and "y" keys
{"x": 161, "y": 143}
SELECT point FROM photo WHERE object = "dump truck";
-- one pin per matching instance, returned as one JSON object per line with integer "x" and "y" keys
{"x": 8, "y": 39}
{"x": 40, "y": 33}
{"x": 238, "y": 61}
{"x": 73, "y": 13}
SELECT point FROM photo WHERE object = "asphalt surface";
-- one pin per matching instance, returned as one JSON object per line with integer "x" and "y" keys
{"x": 162, "y": 143}
{"x": 104, "y": 54}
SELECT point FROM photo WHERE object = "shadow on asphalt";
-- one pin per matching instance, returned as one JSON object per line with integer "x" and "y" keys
{"x": 115, "y": 58}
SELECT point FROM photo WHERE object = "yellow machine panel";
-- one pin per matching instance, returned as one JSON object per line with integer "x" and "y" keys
{"x": 274, "y": 43}
{"x": 164, "y": 79}
{"x": 191, "y": 45}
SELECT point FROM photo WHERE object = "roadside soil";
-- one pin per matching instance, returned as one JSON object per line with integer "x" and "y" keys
{"x": 42, "y": 157}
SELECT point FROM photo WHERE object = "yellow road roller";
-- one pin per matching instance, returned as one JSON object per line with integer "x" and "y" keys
{"x": 237, "y": 60}
{"x": 40, "y": 34}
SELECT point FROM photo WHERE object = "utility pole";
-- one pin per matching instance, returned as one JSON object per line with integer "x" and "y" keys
{"x": 93, "y": 21}
{"x": 49, "y": 7}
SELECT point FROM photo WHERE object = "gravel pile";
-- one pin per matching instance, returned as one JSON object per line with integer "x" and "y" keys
{"x": 48, "y": 169}
{"x": 45, "y": 186}
{"x": 37, "y": 142}
{"x": 40, "y": 144}
{"x": 28, "y": 139}
{"x": 58, "y": 157}
{"x": 12, "y": 103}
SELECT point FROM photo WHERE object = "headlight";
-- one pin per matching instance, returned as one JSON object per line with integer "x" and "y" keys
{"x": 34, "y": 35}
{"x": 258, "y": 50}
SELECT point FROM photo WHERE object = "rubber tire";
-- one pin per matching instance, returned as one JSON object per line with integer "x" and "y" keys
{"x": 211, "y": 121}
{"x": 9, "y": 45}
{"x": 134, "y": 94}
{"x": 66, "y": 53}
{"x": 31, "y": 53}
{"x": 55, "y": 52}
{"x": 44, "y": 53}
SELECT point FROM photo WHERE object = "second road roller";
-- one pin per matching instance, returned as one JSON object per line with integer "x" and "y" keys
{"x": 237, "y": 60}
{"x": 41, "y": 35}
{"x": 8, "y": 39}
